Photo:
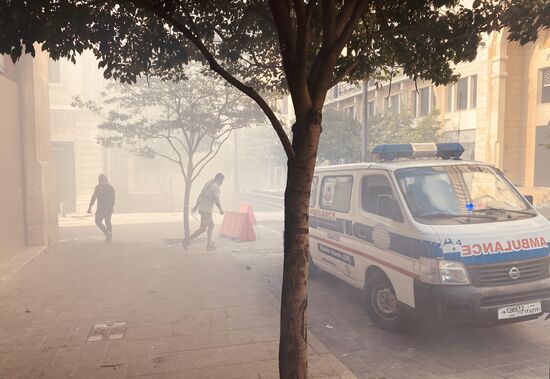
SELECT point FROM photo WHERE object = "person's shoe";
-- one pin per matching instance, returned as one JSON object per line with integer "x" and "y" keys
{"x": 109, "y": 238}
{"x": 211, "y": 246}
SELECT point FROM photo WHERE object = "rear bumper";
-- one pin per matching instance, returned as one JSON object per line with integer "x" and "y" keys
{"x": 477, "y": 305}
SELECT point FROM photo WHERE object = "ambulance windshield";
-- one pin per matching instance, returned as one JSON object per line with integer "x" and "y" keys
{"x": 460, "y": 193}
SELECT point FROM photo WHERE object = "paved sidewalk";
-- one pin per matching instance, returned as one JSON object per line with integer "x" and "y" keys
{"x": 173, "y": 314}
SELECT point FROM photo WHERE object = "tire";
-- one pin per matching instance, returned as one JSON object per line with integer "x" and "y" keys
{"x": 313, "y": 269}
{"x": 382, "y": 305}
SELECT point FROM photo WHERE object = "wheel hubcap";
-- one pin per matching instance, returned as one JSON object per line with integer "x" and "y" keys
{"x": 386, "y": 302}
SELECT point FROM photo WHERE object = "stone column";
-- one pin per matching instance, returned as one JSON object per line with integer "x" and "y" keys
{"x": 39, "y": 168}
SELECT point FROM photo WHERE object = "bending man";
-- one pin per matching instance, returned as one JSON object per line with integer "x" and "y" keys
{"x": 209, "y": 196}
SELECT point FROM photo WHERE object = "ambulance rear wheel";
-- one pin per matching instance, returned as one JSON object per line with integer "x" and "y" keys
{"x": 381, "y": 303}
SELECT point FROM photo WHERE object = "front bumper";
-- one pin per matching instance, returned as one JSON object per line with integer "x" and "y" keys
{"x": 477, "y": 305}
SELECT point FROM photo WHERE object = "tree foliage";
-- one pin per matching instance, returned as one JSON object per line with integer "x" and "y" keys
{"x": 395, "y": 127}
{"x": 185, "y": 122}
{"x": 341, "y": 138}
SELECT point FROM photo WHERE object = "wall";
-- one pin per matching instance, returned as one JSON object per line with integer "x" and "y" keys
{"x": 12, "y": 207}
{"x": 27, "y": 210}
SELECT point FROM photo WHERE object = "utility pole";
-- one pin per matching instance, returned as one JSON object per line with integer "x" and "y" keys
{"x": 365, "y": 121}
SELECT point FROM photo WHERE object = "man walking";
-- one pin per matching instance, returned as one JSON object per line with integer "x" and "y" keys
{"x": 209, "y": 196}
{"x": 104, "y": 193}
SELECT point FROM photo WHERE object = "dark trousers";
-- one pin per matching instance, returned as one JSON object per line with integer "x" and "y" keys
{"x": 104, "y": 215}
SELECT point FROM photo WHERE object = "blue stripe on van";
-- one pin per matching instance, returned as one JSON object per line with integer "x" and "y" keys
{"x": 408, "y": 246}
{"x": 414, "y": 248}
{"x": 501, "y": 257}
{"x": 333, "y": 225}
{"x": 411, "y": 247}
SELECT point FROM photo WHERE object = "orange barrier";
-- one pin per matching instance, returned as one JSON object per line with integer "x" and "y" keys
{"x": 247, "y": 208}
{"x": 237, "y": 226}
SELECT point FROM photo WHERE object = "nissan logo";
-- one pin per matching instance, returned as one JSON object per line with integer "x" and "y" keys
{"x": 514, "y": 273}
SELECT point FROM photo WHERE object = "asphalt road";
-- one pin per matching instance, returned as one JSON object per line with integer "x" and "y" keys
{"x": 337, "y": 318}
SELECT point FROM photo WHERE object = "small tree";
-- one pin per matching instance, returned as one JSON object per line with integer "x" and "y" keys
{"x": 185, "y": 122}
{"x": 341, "y": 138}
{"x": 394, "y": 127}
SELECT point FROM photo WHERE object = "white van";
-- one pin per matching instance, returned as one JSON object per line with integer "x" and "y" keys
{"x": 422, "y": 231}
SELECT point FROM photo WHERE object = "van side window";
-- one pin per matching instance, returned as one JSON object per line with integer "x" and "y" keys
{"x": 336, "y": 193}
{"x": 313, "y": 194}
{"x": 377, "y": 197}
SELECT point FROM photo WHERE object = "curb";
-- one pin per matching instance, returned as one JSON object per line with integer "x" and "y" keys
{"x": 20, "y": 260}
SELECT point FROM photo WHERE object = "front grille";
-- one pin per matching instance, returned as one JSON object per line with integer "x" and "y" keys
{"x": 499, "y": 274}
{"x": 515, "y": 298}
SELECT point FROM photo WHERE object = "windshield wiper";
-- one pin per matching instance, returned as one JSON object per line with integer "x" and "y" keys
{"x": 517, "y": 211}
{"x": 455, "y": 215}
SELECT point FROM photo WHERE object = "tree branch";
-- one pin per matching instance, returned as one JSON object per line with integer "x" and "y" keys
{"x": 180, "y": 26}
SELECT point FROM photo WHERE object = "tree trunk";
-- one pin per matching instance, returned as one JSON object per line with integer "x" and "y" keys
{"x": 293, "y": 338}
{"x": 186, "y": 197}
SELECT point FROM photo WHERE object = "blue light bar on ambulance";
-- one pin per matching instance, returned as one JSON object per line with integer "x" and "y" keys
{"x": 389, "y": 152}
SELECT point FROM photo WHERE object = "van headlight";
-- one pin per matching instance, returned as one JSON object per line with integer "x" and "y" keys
{"x": 440, "y": 271}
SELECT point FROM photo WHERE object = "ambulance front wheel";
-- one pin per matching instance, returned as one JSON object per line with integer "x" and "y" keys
{"x": 381, "y": 303}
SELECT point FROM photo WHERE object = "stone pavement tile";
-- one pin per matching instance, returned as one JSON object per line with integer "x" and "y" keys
{"x": 540, "y": 372}
{"x": 515, "y": 367}
{"x": 318, "y": 367}
{"x": 235, "y": 301}
{"x": 191, "y": 326}
{"x": 180, "y": 374}
{"x": 95, "y": 370}
{"x": 268, "y": 369}
{"x": 238, "y": 371}
{"x": 129, "y": 349}
{"x": 152, "y": 331}
{"x": 28, "y": 358}
{"x": 223, "y": 356}
{"x": 91, "y": 351}
{"x": 50, "y": 371}
{"x": 12, "y": 373}
{"x": 149, "y": 365}
{"x": 236, "y": 323}
{"x": 342, "y": 371}
{"x": 264, "y": 309}
{"x": 315, "y": 344}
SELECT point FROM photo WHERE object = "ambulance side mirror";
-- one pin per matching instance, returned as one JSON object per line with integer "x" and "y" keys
{"x": 388, "y": 208}
{"x": 529, "y": 198}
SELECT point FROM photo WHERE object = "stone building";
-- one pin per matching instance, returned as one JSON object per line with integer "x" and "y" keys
{"x": 28, "y": 216}
{"x": 499, "y": 109}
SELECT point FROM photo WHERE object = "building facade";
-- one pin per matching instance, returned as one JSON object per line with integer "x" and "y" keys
{"x": 28, "y": 214}
{"x": 499, "y": 109}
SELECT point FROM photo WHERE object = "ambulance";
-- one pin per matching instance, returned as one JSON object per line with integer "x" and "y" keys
{"x": 426, "y": 234}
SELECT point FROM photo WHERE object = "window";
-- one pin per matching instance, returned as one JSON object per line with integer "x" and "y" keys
{"x": 313, "y": 193}
{"x": 462, "y": 94}
{"x": 336, "y": 193}
{"x": 335, "y": 92}
{"x": 370, "y": 109}
{"x": 450, "y": 98}
{"x": 54, "y": 75}
{"x": 350, "y": 112}
{"x": 545, "y": 86}
{"x": 473, "y": 91}
{"x": 442, "y": 194}
{"x": 394, "y": 103}
{"x": 424, "y": 101}
{"x": 376, "y": 195}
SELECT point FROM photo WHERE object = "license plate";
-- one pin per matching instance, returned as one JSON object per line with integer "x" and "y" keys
{"x": 519, "y": 310}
